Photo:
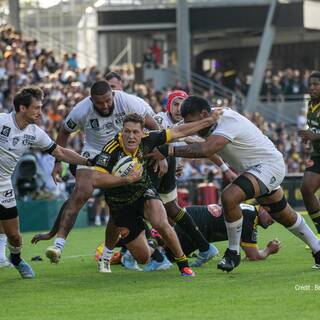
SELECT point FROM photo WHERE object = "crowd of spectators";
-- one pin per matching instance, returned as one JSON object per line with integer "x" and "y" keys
{"x": 279, "y": 85}
{"x": 23, "y": 62}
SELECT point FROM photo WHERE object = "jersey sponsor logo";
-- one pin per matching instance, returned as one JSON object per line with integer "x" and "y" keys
{"x": 257, "y": 168}
{"x": 119, "y": 118}
{"x": 94, "y": 123}
{"x": 8, "y": 193}
{"x": 103, "y": 160}
{"x": 109, "y": 127}
{"x": 15, "y": 141}
{"x": 71, "y": 124}
{"x": 149, "y": 193}
{"x": 272, "y": 180}
{"x": 159, "y": 120}
{"x": 86, "y": 154}
{"x": 5, "y": 131}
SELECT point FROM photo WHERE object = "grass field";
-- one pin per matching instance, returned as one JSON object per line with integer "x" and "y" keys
{"x": 75, "y": 290}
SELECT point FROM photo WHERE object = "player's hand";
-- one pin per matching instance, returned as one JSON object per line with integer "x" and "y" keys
{"x": 161, "y": 166}
{"x": 41, "y": 236}
{"x": 274, "y": 246}
{"x": 56, "y": 172}
{"x": 308, "y": 135}
{"x": 230, "y": 175}
{"x": 134, "y": 175}
{"x": 155, "y": 155}
{"x": 216, "y": 114}
{"x": 179, "y": 170}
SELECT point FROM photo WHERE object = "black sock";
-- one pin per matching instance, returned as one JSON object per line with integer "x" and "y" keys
{"x": 315, "y": 216}
{"x": 15, "y": 258}
{"x": 185, "y": 221}
{"x": 182, "y": 262}
{"x": 157, "y": 255}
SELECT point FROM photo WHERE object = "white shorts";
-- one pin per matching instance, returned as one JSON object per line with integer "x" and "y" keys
{"x": 7, "y": 196}
{"x": 270, "y": 173}
{"x": 88, "y": 153}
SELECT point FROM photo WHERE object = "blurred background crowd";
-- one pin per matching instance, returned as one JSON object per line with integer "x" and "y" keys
{"x": 23, "y": 62}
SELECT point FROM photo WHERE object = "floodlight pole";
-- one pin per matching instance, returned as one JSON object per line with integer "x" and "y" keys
{"x": 183, "y": 41}
{"x": 262, "y": 59}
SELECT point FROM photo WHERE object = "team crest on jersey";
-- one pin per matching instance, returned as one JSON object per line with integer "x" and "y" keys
{"x": 119, "y": 118}
{"x": 159, "y": 120}
{"x": 103, "y": 160}
{"x": 94, "y": 123}
{"x": 71, "y": 124}
{"x": 15, "y": 141}
{"x": 5, "y": 131}
{"x": 86, "y": 154}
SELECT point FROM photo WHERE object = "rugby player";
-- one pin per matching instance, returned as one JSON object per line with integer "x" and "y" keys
{"x": 210, "y": 222}
{"x": 261, "y": 166}
{"x": 100, "y": 117}
{"x": 311, "y": 178}
{"x": 167, "y": 187}
{"x": 129, "y": 204}
{"x": 18, "y": 133}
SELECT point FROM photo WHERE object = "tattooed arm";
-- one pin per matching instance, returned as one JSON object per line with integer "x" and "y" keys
{"x": 205, "y": 149}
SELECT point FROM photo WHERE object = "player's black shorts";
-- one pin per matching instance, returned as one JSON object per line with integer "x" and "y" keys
{"x": 313, "y": 165}
{"x": 131, "y": 216}
{"x": 8, "y": 213}
{"x": 167, "y": 183}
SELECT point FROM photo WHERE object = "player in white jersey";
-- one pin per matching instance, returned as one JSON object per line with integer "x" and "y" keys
{"x": 167, "y": 187}
{"x": 100, "y": 117}
{"x": 261, "y": 166}
{"x": 18, "y": 133}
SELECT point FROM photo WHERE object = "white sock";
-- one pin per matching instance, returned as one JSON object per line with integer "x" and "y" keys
{"x": 3, "y": 245}
{"x": 59, "y": 243}
{"x": 234, "y": 234}
{"x": 301, "y": 230}
{"x": 107, "y": 253}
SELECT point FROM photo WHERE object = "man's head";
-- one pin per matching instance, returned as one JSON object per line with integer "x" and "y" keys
{"x": 175, "y": 99}
{"x": 314, "y": 85}
{"x": 115, "y": 81}
{"x": 28, "y": 102}
{"x": 102, "y": 99}
{"x": 132, "y": 131}
{"x": 264, "y": 218}
{"x": 195, "y": 108}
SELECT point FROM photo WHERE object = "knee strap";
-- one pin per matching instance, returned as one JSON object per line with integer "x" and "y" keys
{"x": 245, "y": 185}
{"x": 276, "y": 206}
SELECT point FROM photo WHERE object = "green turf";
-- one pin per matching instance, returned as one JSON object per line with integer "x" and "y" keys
{"x": 75, "y": 290}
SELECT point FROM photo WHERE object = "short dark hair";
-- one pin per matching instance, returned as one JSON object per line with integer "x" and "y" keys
{"x": 100, "y": 88}
{"x": 24, "y": 97}
{"x": 315, "y": 74}
{"x": 134, "y": 117}
{"x": 113, "y": 74}
{"x": 194, "y": 104}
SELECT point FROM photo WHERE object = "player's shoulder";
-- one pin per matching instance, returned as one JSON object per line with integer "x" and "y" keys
{"x": 5, "y": 116}
{"x": 83, "y": 106}
{"x": 112, "y": 146}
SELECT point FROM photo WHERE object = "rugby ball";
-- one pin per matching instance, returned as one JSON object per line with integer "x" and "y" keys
{"x": 125, "y": 165}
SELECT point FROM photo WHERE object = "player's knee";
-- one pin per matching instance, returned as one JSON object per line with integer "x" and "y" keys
{"x": 15, "y": 239}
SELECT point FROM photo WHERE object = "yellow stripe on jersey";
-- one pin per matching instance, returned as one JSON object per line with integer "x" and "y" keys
{"x": 109, "y": 145}
{"x": 247, "y": 244}
{"x": 114, "y": 148}
{"x": 313, "y": 108}
{"x": 100, "y": 169}
{"x": 168, "y": 135}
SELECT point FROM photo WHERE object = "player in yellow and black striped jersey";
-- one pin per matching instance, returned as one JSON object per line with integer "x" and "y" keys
{"x": 113, "y": 152}
{"x": 311, "y": 178}
{"x": 130, "y": 204}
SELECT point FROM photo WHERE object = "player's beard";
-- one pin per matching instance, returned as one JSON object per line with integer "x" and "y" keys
{"x": 102, "y": 114}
